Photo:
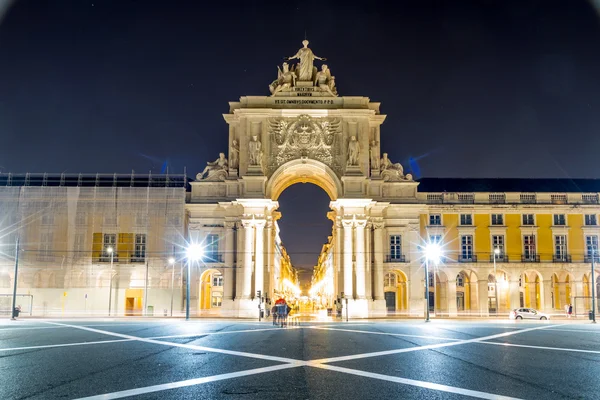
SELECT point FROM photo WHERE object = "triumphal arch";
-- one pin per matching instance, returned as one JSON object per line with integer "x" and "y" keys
{"x": 303, "y": 131}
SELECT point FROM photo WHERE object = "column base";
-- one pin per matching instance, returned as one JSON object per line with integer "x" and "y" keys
{"x": 377, "y": 308}
{"x": 358, "y": 308}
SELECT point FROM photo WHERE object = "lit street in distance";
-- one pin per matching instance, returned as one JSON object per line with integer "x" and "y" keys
{"x": 200, "y": 359}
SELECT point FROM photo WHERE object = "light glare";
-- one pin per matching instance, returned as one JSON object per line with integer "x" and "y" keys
{"x": 194, "y": 252}
{"x": 433, "y": 252}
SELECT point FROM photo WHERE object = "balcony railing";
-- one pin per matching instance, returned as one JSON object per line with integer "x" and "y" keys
{"x": 588, "y": 258}
{"x": 530, "y": 258}
{"x": 213, "y": 258}
{"x": 565, "y": 258}
{"x": 392, "y": 258}
{"x": 467, "y": 258}
{"x": 499, "y": 257}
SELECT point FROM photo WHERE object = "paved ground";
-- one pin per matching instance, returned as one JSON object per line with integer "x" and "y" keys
{"x": 160, "y": 359}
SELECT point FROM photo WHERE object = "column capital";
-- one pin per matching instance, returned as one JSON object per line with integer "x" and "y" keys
{"x": 260, "y": 223}
{"x": 377, "y": 222}
{"x": 360, "y": 223}
{"x": 247, "y": 223}
{"x": 229, "y": 224}
{"x": 347, "y": 223}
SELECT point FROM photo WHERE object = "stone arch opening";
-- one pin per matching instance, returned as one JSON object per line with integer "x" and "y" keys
{"x": 211, "y": 289}
{"x": 304, "y": 171}
{"x": 466, "y": 291}
{"x": 395, "y": 287}
{"x": 531, "y": 289}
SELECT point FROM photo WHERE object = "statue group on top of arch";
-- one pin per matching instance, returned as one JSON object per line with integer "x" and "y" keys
{"x": 216, "y": 170}
{"x": 392, "y": 171}
{"x": 304, "y": 71}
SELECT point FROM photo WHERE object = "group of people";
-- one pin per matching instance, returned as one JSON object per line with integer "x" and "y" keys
{"x": 280, "y": 312}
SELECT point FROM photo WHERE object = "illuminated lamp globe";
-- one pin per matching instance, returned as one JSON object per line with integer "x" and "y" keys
{"x": 433, "y": 252}
{"x": 195, "y": 252}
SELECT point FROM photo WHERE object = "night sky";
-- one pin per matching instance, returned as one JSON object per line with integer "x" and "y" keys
{"x": 471, "y": 88}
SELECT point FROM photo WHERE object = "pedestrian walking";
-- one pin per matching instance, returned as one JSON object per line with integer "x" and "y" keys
{"x": 570, "y": 312}
{"x": 567, "y": 310}
{"x": 274, "y": 313}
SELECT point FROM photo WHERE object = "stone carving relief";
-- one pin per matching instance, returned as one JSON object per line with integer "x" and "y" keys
{"x": 353, "y": 151}
{"x": 215, "y": 171}
{"x": 392, "y": 171}
{"x": 255, "y": 152}
{"x": 286, "y": 79}
{"x": 304, "y": 136}
{"x": 374, "y": 155}
{"x": 234, "y": 155}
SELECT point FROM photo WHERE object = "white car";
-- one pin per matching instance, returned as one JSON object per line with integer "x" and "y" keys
{"x": 527, "y": 313}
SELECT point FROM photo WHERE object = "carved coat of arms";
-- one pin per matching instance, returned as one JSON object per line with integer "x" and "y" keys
{"x": 304, "y": 136}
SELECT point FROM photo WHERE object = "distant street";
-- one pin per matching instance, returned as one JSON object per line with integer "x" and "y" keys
{"x": 227, "y": 359}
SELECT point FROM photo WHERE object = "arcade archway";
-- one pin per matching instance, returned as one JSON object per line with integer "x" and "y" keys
{"x": 304, "y": 171}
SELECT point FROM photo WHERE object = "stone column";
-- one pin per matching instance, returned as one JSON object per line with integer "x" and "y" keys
{"x": 228, "y": 272}
{"x": 546, "y": 293}
{"x": 360, "y": 259}
{"x": 270, "y": 257}
{"x": 378, "y": 266}
{"x": 259, "y": 263}
{"x": 513, "y": 292}
{"x": 337, "y": 257}
{"x": 451, "y": 298}
{"x": 482, "y": 286}
{"x": 348, "y": 252}
{"x": 247, "y": 274}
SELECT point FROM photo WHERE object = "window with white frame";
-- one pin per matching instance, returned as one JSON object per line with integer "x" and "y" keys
{"x": 466, "y": 247}
{"x": 211, "y": 249}
{"x": 46, "y": 245}
{"x": 460, "y": 280}
{"x": 560, "y": 247}
{"x": 560, "y": 220}
{"x": 109, "y": 241}
{"x": 497, "y": 219}
{"x": 590, "y": 220}
{"x": 395, "y": 247}
{"x": 435, "y": 219}
{"x": 217, "y": 300}
{"x": 389, "y": 280}
{"x": 529, "y": 247}
{"x": 498, "y": 243}
{"x": 591, "y": 246}
{"x": 466, "y": 219}
{"x": 528, "y": 219}
{"x": 140, "y": 247}
{"x": 435, "y": 239}
{"x": 217, "y": 279}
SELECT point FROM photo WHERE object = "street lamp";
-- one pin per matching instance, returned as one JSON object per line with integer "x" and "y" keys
{"x": 496, "y": 253}
{"x": 593, "y": 284}
{"x": 110, "y": 251}
{"x": 433, "y": 253}
{"x": 194, "y": 253}
{"x": 172, "y": 264}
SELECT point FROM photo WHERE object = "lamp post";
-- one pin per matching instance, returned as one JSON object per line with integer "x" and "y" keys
{"x": 195, "y": 252}
{"x": 110, "y": 251}
{"x": 433, "y": 252}
{"x": 172, "y": 264}
{"x": 496, "y": 253}
{"x": 593, "y": 285}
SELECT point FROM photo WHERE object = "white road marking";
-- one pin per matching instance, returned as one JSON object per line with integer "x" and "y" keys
{"x": 292, "y": 363}
{"x": 189, "y": 382}
{"x": 577, "y": 330}
{"x": 186, "y": 346}
{"x": 412, "y": 382}
{"x": 428, "y": 347}
{"x": 49, "y": 346}
{"x": 186, "y": 335}
{"x": 542, "y": 347}
{"x": 380, "y": 333}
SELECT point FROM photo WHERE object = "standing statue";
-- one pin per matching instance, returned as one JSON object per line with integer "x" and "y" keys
{"x": 216, "y": 169}
{"x": 234, "y": 155}
{"x": 325, "y": 81}
{"x": 353, "y": 151}
{"x": 255, "y": 150}
{"x": 285, "y": 80}
{"x": 374, "y": 155}
{"x": 305, "y": 68}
